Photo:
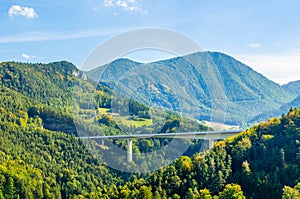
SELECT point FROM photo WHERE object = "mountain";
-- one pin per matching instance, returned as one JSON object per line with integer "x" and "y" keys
{"x": 278, "y": 112}
{"x": 204, "y": 85}
{"x": 293, "y": 87}
{"x": 39, "y": 162}
{"x": 47, "y": 83}
{"x": 45, "y": 90}
{"x": 40, "y": 157}
{"x": 116, "y": 69}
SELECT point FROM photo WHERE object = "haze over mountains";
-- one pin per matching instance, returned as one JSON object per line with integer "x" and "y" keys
{"x": 204, "y": 85}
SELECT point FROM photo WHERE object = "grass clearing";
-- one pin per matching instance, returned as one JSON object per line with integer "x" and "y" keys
{"x": 129, "y": 122}
{"x": 126, "y": 120}
{"x": 103, "y": 110}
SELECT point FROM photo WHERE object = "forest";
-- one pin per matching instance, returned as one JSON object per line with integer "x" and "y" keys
{"x": 41, "y": 155}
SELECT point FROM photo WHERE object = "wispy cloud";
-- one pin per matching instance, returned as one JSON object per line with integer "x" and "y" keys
{"x": 26, "y": 56}
{"x": 54, "y": 36}
{"x": 27, "y": 12}
{"x": 126, "y": 5}
{"x": 254, "y": 45}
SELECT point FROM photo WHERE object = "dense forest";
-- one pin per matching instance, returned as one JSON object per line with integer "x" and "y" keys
{"x": 41, "y": 155}
{"x": 186, "y": 83}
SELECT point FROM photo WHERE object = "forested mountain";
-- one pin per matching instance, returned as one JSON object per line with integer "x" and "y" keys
{"x": 41, "y": 156}
{"x": 277, "y": 112}
{"x": 37, "y": 162}
{"x": 198, "y": 84}
{"x": 46, "y": 83}
{"x": 293, "y": 87}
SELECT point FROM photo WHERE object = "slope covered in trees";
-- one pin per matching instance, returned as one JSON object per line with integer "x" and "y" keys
{"x": 293, "y": 87}
{"x": 39, "y": 162}
{"x": 49, "y": 84}
{"x": 41, "y": 157}
{"x": 262, "y": 162}
{"x": 279, "y": 111}
{"x": 198, "y": 84}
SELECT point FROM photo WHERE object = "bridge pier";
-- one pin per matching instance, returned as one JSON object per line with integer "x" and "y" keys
{"x": 129, "y": 150}
{"x": 211, "y": 136}
{"x": 211, "y": 143}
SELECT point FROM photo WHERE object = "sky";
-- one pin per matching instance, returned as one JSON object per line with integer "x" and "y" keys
{"x": 262, "y": 34}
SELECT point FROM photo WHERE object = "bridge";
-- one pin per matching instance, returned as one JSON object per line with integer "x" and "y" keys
{"x": 211, "y": 136}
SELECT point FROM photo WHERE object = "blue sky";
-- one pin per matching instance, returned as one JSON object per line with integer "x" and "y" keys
{"x": 263, "y": 34}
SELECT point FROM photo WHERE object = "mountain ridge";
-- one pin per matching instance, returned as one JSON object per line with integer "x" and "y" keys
{"x": 293, "y": 87}
{"x": 206, "y": 75}
{"x": 37, "y": 162}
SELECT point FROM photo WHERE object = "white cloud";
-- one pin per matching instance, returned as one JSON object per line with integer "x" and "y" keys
{"x": 254, "y": 45}
{"x": 108, "y": 3}
{"x": 26, "y": 56}
{"x": 281, "y": 67}
{"x": 17, "y": 10}
{"x": 126, "y": 5}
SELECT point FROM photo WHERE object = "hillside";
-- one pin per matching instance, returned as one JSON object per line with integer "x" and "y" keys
{"x": 47, "y": 83}
{"x": 261, "y": 162}
{"x": 199, "y": 85}
{"x": 293, "y": 87}
{"x": 40, "y": 157}
{"x": 39, "y": 163}
{"x": 278, "y": 112}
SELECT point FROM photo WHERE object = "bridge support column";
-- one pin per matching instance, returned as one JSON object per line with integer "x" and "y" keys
{"x": 211, "y": 143}
{"x": 129, "y": 150}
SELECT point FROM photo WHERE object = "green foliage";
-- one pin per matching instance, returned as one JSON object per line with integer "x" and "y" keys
{"x": 290, "y": 193}
{"x": 19, "y": 180}
{"x": 205, "y": 194}
{"x": 184, "y": 165}
{"x": 67, "y": 166}
{"x": 47, "y": 83}
{"x": 41, "y": 157}
{"x": 145, "y": 193}
{"x": 232, "y": 191}
{"x": 247, "y": 94}
{"x": 260, "y": 161}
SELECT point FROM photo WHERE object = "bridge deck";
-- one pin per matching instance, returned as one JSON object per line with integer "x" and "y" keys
{"x": 207, "y": 135}
{"x": 211, "y": 136}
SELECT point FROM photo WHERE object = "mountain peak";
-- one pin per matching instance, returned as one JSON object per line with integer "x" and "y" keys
{"x": 237, "y": 82}
{"x": 125, "y": 60}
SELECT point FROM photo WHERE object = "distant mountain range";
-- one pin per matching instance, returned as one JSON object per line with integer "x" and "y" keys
{"x": 293, "y": 87}
{"x": 204, "y": 85}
